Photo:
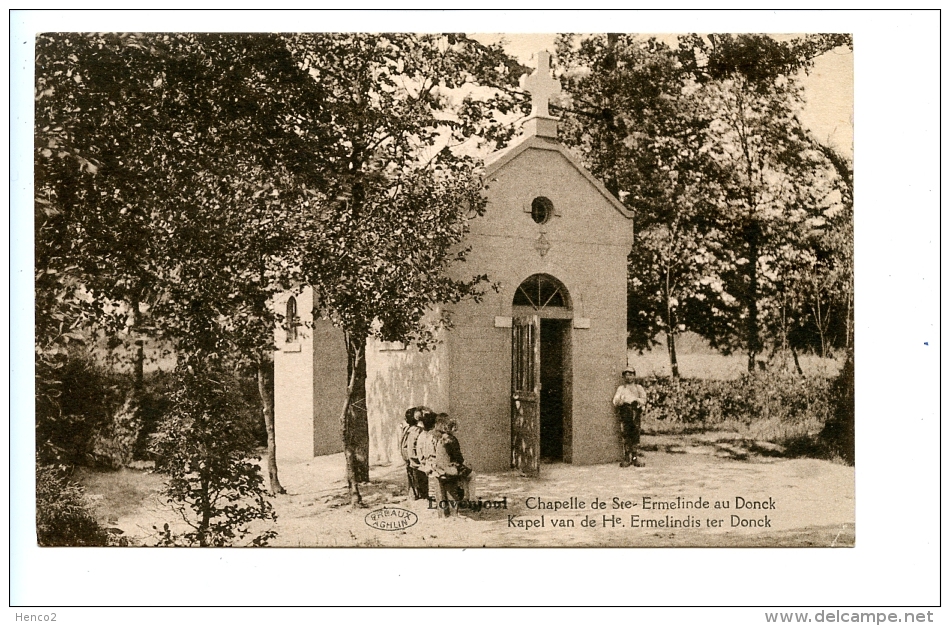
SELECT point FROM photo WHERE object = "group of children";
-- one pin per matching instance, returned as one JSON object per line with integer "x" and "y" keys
{"x": 430, "y": 449}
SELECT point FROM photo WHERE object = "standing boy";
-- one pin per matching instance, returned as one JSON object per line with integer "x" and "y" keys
{"x": 630, "y": 400}
{"x": 408, "y": 433}
{"x": 423, "y": 449}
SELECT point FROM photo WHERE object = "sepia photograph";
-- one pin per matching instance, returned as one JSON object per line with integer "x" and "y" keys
{"x": 366, "y": 289}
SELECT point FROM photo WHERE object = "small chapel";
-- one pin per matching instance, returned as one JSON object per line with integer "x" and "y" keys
{"x": 531, "y": 370}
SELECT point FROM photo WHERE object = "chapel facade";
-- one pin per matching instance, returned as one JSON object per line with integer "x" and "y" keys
{"x": 530, "y": 371}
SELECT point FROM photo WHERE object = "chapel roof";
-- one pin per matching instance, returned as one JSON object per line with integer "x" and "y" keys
{"x": 499, "y": 159}
{"x": 541, "y": 131}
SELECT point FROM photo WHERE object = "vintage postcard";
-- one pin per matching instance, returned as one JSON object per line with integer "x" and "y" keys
{"x": 533, "y": 290}
{"x": 326, "y": 287}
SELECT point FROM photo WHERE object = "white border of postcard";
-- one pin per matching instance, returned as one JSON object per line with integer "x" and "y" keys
{"x": 895, "y": 561}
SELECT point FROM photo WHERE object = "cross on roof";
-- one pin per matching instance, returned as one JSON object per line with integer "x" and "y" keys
{"x": 541, "y": 86}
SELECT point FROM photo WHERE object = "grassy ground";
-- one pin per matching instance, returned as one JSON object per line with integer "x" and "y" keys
{"x": 783, "y": 438}
{"x": 719, "y": 367}
{"x": 697, "y": 360}
{"x": 117, "y": 494}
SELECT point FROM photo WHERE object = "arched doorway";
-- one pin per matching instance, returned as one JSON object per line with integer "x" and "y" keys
{"x": 541, "y": 373}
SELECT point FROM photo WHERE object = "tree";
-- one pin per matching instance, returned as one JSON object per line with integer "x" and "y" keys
{"x": 214, "y": 485}
{"x": 810, "y": 267}
{"x": 703, "y": 143}
{"x": 197, "y": 168}
{"x": 99, "y": 146}
{"x": 674, "y": 287}
{"x": 253, "y": 193}
{"x": 640, "y": 126}
{"x": 65, "y": 168}
{"x": 839, "y": 240}
{"x": 772, "y": 178}
{"x": 398, "y": 195}
{"x": 153, "y": 148}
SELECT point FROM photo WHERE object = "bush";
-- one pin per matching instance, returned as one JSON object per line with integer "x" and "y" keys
{"x": 155, "y": 406}
{"x": 157, "y": 403}
{"x": 86, "y": 415}
{"x": 769, "y": 404}
{"x": 77, "y": 401}
{"x": 63, "y": 516}
{"x": 838, "y": 433}
{"x": 248, "y": 407}
{"x": 206, "y": 448}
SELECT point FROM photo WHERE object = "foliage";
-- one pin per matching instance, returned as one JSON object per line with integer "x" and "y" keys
{"x": 98, "y": 141}
{"x": 642, "y": 130}
{"x": 399, "y": 190}
{"x": 214, "y": 483}
{"x": 159, "y": 151}
{"x": 155, "y": 404}
{"x": 829, "y": 281}
{"x": 63, "y": 515}
{"x": 87, "y": 396}
{"x": 762, "y": 397}
{"x": 80, "y": 424}
{"x": 193, "y": 171}
{"x": 132, "y": 128}
{"x": 742, "y": 217}
{"x": 398, "y": 198}
{"x": 778, "y": 187}
{"x": 759, "y": 58}
{"x": 838, "y": 432}
{"x": 60, "y": 313}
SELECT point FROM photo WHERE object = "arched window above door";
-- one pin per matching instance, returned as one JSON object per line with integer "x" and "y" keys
{"x": 540, "y": 292}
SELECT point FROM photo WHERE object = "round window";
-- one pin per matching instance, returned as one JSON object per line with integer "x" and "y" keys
{"x": 541, "y": 209}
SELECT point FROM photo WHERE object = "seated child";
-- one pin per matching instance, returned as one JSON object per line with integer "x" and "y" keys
{"x": 454, "y": 476}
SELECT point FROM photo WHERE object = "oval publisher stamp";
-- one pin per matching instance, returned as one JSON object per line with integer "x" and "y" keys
{"x": 391, "y": 518}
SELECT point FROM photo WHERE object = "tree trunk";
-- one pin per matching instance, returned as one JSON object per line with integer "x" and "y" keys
{"x": 671, "y": 326}
{"x": 139, "y": 382}
{"x": 265, "y": 387}
{"x": 821, "y": 324}
{"x": 798, "y": 367}
{"x": 849, "y": 321}
{"x": 752, "y": 297}
{"x": 355, "y": 425}
{"x": 205, "y": 522}
{"x": 138, "y": 365}
{"x": 671, "y": 349}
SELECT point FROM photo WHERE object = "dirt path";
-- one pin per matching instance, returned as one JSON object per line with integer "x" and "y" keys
{"x": 670, "y": 502}
{"x": 804, "y": 502}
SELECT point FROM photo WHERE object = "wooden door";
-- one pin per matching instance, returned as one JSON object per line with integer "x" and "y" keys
{"x": 525, "y": 394}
